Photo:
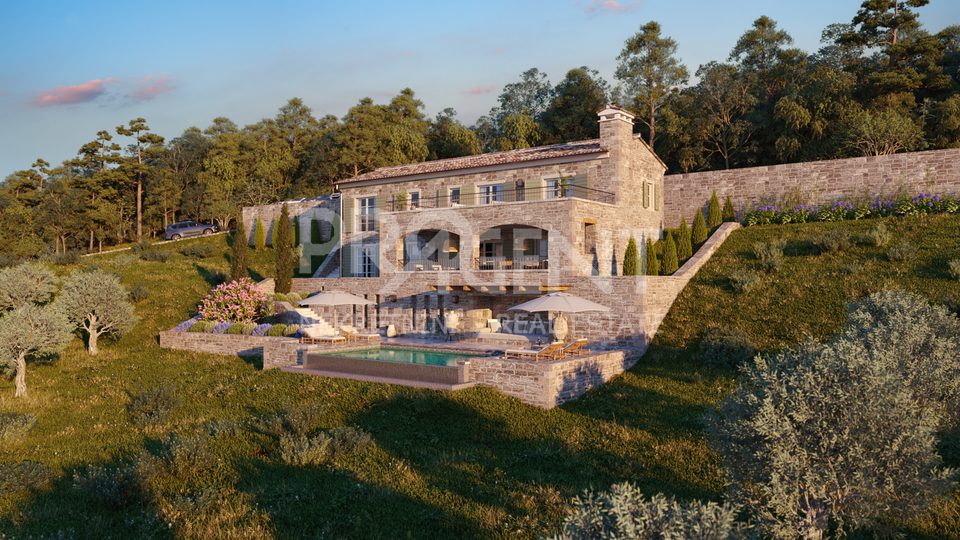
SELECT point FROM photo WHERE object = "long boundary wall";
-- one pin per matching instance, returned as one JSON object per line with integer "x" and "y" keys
{"x": 814, "y": 182}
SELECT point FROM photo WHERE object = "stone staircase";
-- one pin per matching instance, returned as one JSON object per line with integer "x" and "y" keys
{"x": 314, "y": 319}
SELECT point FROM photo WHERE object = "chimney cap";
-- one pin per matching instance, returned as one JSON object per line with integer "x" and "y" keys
{"x": 612, "y": 112}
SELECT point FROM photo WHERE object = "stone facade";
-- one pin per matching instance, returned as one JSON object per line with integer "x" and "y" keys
{"x": 814, "y": 182}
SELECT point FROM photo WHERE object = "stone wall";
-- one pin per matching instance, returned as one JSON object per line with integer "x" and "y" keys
{"x": 814, "y": 182}
{"x": 548, "y": 384}
{"x": 218, "y": 343}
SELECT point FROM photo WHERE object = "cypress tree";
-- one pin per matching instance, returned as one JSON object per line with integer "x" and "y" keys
{"x": 315, "y": 231}
{"x": 259, "y": 236}
{"x": 653, "y": 265}
{"x": 728, "y": 214}
{"x": 282, "y": 245}
{"x": 699, "y": 234}
{"x": 670, "y": 263}
{"x": 273, "y": 233}
{"x": 714, "y": 215}
{"x": 238, "y": 265}
{"x": 685, "y": 243}
{"x": 631, "y": 259}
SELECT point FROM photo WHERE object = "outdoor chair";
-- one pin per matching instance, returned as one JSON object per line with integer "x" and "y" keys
{"x": 550, "y": 352}
{"x": 314, "y": 336}
{"x": 575, "y": 348}
{"x": 351, "y": 334}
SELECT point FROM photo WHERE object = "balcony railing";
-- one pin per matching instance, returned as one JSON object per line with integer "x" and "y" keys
{"x": 428, "y": 265}
{"x": 509, "y": 195}
{"x": 524, "y": 262}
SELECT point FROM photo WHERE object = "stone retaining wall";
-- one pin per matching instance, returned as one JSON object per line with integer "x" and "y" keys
{"x": 240, "y": 345}
{"x": 548, "y": 384}
{"x": 815, "y": 182}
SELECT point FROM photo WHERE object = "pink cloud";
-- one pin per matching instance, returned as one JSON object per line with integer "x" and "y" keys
{"x": 609, "y": 6}
{"x": 150, "y": 87}
{"x": 68, "y": 95}
{"x": 484, "y": 90}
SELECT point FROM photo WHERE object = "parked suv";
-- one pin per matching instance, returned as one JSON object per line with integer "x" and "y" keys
{"x": 188, "y": 228}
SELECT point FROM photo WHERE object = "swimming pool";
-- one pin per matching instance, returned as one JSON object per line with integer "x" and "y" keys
{"x": 408, "y": 356}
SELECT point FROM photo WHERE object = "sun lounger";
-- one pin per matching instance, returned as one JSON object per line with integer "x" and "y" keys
{"x": 351, "y": 334}
{"x": 314, "y": 335}
{"x": 575, "y": 348}
{"x": 550, "y": 352}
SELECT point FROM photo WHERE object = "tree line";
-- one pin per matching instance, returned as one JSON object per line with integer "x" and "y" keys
{"x": 879, "y": 84}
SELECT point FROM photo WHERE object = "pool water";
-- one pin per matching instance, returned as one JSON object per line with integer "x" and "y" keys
{"x": 409, "y": 356}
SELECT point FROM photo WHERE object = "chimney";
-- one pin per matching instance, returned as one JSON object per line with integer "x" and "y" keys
{"x": 616, "y": 127}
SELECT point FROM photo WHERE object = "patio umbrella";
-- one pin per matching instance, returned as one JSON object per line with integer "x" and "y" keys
{"x": 334, "y": 298}
{"x": 562, "y": 302}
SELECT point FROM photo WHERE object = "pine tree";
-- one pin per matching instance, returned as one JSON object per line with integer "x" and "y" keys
{"x": 631, "y": 259}
{"x": 670, "y": 263}
{"x": 284, "y": 251}
{"x": 259, "y": 236}
{"x": 699, "y": 234}
{"x": 685, "y": 242}
{"x": 714, "y": 215}
{"x": 653, "y": 265}
{"x": 238, "y": 265}
{"x": 728, "y": 213}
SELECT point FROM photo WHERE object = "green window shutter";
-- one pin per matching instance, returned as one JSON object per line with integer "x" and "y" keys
{"x": 349, "y": 215}
{"x": 443, "y": 197}
{"x": 376, "y": 261}
{"x": 656, "y": 197}
{"x": 534, "y": 188}
{"x": 347, "y": 270}
{"x": 468, "y": 195}
{"x": 509, "y": 189}
{"x": 381, "y": 206}
{"x": 646, "y": 195}
{"x": 580, "y": 186}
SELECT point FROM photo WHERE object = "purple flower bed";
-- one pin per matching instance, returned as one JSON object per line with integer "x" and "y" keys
{"x": 924, "y": 203}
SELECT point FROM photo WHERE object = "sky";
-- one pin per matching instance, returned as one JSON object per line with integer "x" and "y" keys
{"x": 70, "y": 69}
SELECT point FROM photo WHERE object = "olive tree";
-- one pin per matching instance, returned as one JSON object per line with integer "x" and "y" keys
{"x": 25, "y": 284}
{"x": 29, "y": 330}
{"x": 96, "y": 303}
{"x": 843, "y": 433}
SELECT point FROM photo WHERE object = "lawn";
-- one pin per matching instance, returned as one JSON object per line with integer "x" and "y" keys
{"x": 466, "y": 464}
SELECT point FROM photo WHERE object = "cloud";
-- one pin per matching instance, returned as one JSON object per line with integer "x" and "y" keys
{"x": 150, "y": 87}
{"x": 484, "y": 90}
{"x": 597, "y": 7}
{"x": 69, "y": 95}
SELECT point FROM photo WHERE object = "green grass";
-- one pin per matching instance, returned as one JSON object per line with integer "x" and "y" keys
{"x": 467, "y": 464}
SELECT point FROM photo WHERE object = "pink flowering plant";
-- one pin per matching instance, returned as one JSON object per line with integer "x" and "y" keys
{"x": 238, "y": 301}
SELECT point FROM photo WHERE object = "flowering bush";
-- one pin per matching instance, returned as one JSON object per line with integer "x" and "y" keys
{"x": 836, "y": 212}
{"x": 237, "y": 301}
{"x": 765, "y": 215}
{"x": 261, "y": 330}
{"x": 800, "y": 214}
{"x": 185, "y": 325}
{"x": 882, "y": 209}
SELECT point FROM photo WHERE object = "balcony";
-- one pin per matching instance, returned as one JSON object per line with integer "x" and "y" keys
{"x": 509, "y": 195}
{"x": 428, "y": 265}
{"x": 524, "y": 262}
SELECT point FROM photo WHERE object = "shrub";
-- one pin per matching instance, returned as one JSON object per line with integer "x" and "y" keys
{"x": 198, "y": 327}
{"x": 881, "y": 209}
{"x": 307, "y": 451}
{"x": 835, "y": 212}
{"x": 799, "y": 214}
{"x": 714, "y": 213}
{"x": 293, "y": 297}
{"x": 185, "y": 462}
{"x": 765, "y": 215}
{"x": 698, "y": 234}
{"x": 25, "y": 476}
{"x": 116, "y": 488}
{"x": 291, "y": 330}
{"x": 237, "y": 301}
{"x": 236, "y": 329}
{"x": 670, "y": 262}
{"x": 904, "y": 251}
{"x": 198, "y": 251}
{"x": 67, "y": 258}
{"x": 221, "y": 328}
{"x": 878, "y": 236}
{"x": 296, "y": 420}
{"x": 259, "y": 236}
{"x": 238, "y": 262}
{"x": 139, "y": 293}
{"x": 155, "y": 255}
{"x": 653, "y": 264}
{"x": 947, "y": 205}
{"x": 279, "y": 297}
{"x": 631, "y": 258}
{"x": 835, "y": 241}
{"x": 150, "y": 407}
{"x": 185, "y": 326}
{"x": 277, "y": 330}
{"x": 726, "y": 348}
{"x": 770, "y": 254}
{"x": 684, "y": 241}
{"x": 124, "y": 261}
{"x": 138, "y": 249}
{"x": 743, "y": 281}
{"x": 924, "y": 203}
{"x": 623, "y": 512}
{"x": 14, "y": 427}
{"x": 261, "y": 329}
{"x": 249, "y": 328}
{"x": 728, "y": 213}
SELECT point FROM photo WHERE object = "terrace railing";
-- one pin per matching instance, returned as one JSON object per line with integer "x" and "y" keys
{"x": 524, "y": 262}
{"x": 548, "y": 193}
{"x": 428, "y": 265}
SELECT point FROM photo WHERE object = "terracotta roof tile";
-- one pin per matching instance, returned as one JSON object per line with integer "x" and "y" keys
{"x": 482, "y": 160}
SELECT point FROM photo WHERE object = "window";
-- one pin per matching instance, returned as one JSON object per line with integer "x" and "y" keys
{"x": 491, "y": 193}
{"x": 368, "y": 214}
{"x": 414, "y": 199}
{"x": 558, "y": 187}
{"x": 365, "y": 261}
{"x": 455, "y": 195}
